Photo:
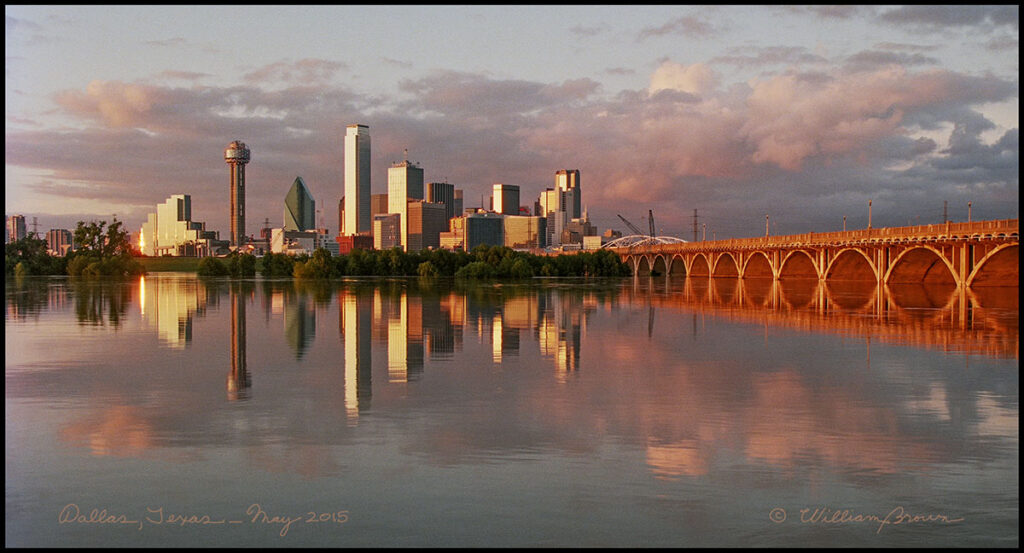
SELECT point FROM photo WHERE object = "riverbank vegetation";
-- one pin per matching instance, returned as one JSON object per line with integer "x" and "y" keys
{"x": 100, "y": 251}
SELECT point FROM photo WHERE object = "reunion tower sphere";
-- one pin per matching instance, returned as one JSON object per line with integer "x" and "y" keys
{"x": 237, "y": 155}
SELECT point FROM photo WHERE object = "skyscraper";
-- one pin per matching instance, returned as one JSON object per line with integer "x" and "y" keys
{"x": 506, "y": 199}
{"x": 357, "y": 179}
{"x": 15, "y": 228}
{"x": 299, "y": 208}
{"x": 443, "y": 193}
{"x": 237, "y": 155}
{"x": 566, "y": 180}
{"x": 405, "y": 182}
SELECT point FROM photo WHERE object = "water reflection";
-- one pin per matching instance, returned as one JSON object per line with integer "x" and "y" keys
{"x": 651, "y": 386}
{"x": 356, "y": 326}
{"x": 238, "y": 383}
{"x": 977, "y": 321}
{"x": 170, "y": 303}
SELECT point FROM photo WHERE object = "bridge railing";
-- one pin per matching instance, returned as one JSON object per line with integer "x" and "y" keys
{"x": 1009, "y": 228}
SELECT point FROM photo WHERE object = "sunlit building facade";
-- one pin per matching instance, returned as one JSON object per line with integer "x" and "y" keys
{"x": 505, "y": 199}
{"x": 357, "y": 179}
{"x": 171, "y": 231}
{"x": 16, "y": 228}
{"x": 405, "y": 182}
{"x": 525, "y": 232}
{"x": 426, "y": 223}
{"x": 59, "y": 242}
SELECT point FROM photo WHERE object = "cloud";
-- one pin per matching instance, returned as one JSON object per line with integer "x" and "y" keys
{"x": 828, "y": 136}
{"x": 924, "y": 17}
{"x": 13, "y": 24}
{"x": 176, "y": 41}
{"x": 181, "y": 75}
{"x": 583, "y": 31}
{"x": 869, "y": 60}
{"x": 396, "y": 63}
{"x": 308, "y": 71}
{"x": 694, "y": 79}
{"x": 760, "y": 57}
{"x": 686, "y": 25}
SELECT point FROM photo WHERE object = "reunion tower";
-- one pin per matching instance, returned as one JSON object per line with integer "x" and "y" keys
{"x": 237, "y": 155}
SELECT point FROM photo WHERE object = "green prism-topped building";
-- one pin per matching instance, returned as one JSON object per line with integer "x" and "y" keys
{"x": 299, "y": 208}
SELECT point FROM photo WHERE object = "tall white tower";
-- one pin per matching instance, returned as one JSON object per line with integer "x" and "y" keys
{"x": 357, "y": 180}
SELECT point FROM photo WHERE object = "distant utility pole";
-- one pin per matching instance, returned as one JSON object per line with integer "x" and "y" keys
{"x": 35, "y": 227}
{"x": 869, "y": 213}
{"x": 694, "y": 225}
{"x": 766, "y": 225}
{"x": 705, "y": 236}
{"x": 968, "y": 212}
{"x": 844, "y": 223}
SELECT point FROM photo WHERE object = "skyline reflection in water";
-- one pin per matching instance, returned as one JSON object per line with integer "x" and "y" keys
{"x": 716, "y": 399}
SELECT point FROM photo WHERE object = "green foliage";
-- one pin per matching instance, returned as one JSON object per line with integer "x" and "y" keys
{"x": 213, "y": 267}
{"x": 277, "y": 265}
{"x": 318, "y": 266}
{"x": 90, "y": 239}
{"x": 241, "y": 265}
{"x": 427, "y": 269}
{"x": 30, "y": 255}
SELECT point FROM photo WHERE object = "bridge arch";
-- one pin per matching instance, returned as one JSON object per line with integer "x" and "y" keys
{"x": 677, "y": 265}
{"x": 921, "y": 265}
{"x": 851, "y": 264}
{"x": 726, "y": 268}
{"x": 758, "y": 266}
{"x": 798, "y": 264}
{"x": 699, "y": 266}
{"x": 998, "y": 268}
{"x": 659, "y": 266}
{"x": 643, "y": 266}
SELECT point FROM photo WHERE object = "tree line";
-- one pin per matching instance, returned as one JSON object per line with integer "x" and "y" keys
{"x": 483, "y": 262}
{"x": 101, "y": 250}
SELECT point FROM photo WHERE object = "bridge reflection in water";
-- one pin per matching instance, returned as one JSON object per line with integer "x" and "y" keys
{"x": 981, "y": 321}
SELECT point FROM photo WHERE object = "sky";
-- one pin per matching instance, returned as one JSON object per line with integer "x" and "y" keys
{"x": 802, "y": 114}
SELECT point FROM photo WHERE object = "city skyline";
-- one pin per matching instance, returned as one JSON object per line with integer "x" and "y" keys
{"x": 803, "y": 113}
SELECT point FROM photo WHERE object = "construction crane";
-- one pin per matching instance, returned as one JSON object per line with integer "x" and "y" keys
{"x": 631, "y": 226}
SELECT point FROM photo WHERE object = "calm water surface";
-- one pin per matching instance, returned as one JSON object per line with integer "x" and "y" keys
{"x": 634, "y": 412}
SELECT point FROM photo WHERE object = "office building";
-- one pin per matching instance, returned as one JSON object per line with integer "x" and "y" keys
{"x": 299, "y": 207}
{"x": 566, "y": 180}
{"x": 171, "y": 231}
{"x": 237, "y": 155}
{"x": 505, "y": 199}
{"x": 405, "y": 182}
{"x": 357, "y": 179}
{"x": 484, "y": 228}
{"x": 457, "y": 204}
{"x": 525, "y": 232}
{"x": 59, "y": 242}
{"x": 443, "y": 193}
{"x": 378, "y": 204}
{"x": 427, "y": 221}
{"x": 386, "y": 231}
{"x": 16, "y": 228}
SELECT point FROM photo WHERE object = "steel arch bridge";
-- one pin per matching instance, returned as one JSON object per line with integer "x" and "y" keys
{"x": 639, "y": 240}
{"x": 981, "y": 253}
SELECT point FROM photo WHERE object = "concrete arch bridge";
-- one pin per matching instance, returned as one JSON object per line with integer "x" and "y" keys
{"x": 981, "y": 253}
